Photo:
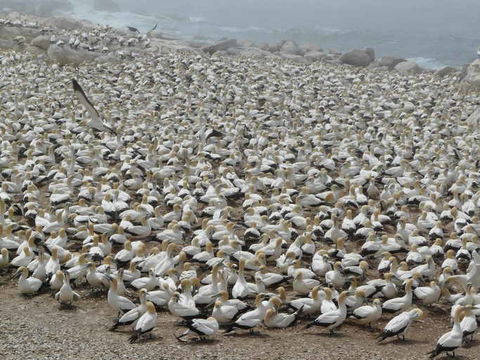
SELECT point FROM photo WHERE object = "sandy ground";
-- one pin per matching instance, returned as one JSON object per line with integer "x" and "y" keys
{"x": 36, "y": 328}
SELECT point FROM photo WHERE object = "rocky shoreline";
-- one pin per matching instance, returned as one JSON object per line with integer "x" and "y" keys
{"x": 67, "y": 40}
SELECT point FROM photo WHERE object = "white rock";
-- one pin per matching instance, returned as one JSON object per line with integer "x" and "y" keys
{"x": 408, "y": 67}
{"x": 408, "y": 106}
{"x": 472, "y": 77}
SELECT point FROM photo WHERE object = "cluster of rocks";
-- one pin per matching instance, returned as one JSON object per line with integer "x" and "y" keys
{"x": 66, "y": 40}
{"x": 307, "y": 53}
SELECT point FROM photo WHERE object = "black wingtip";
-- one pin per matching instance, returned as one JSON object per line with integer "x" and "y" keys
{"x": 76, "y": 85}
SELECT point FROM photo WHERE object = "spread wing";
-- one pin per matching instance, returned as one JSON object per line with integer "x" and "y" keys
{"x": 82, "y": 97}
{"x": 96, "y": 122}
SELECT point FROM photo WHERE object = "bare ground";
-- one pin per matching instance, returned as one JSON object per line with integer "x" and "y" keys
{"x": 36, "y": 328}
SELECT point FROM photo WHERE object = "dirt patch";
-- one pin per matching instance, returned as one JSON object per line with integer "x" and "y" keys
{"x": 35, "y": 328}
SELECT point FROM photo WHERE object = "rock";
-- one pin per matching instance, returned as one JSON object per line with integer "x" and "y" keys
{"x": 41, "y": 41}
{"x": 222, "y": 45}
{"x": 231, "y": 51}
{"x": 358, "y": 57}
{"x": 332, "y": 58}
{"x": 67, "y": 56}
{"x": 64, "y": 22}
{"x": 463, "y": 72}
{"x": 265, "y": 46}
{"x": 315, "y": 55}
{"x": 334, "y": 52}
{"x": 408, "y": 67}
{"x": 371, "y": 53}
{"x": 447, "y": 70}
{"x": 106, "y": 5}
{"x": 273, "y": 47}
{"x": 9, "y": 32}
{"x": 245, "y": 43}
{"x": 290, "y": 47}
{"x": 408, "y": 106}
{"x": 310, "y": 47}
{"x": 472, "y": 76}
{"x": 388, "y": 62}
{"x": 7, "y": 44}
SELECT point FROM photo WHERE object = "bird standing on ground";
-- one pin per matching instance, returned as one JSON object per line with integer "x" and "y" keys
{"x": 145, "y": 324}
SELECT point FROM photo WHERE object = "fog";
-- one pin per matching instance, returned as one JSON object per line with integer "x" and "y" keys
{"x": 433, "y": 31}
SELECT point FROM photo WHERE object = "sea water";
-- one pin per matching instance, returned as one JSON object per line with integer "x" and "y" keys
{"x": 432, "y": 32}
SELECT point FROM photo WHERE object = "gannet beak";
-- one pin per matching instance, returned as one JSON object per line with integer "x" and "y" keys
{"x": 16, "y": 274}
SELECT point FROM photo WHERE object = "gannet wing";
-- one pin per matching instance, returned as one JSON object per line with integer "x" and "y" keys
{"x": 82, "y": 97}
{"x": 96, "y": 123}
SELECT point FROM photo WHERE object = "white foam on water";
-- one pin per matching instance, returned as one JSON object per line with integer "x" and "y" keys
{"x": 428, "y": 63}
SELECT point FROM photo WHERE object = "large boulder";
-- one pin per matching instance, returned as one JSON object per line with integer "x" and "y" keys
{"x": 106, "y": 5}
{"x": 41, "y": 41}
{"x": 290, "y": 47}
{"x": 315, "y": 55}
{"x": 358, "y": 57}
{"x": 273, "y": 47}
{"x": 66, "y": 56}
{"x": 221, "y": 46}
{"x": 472, "y": 74}
{"x": 446, "y": 70}
{"x": 245, "y": 43}
{"x": 408, "y": 67}
{"x": 9, "y": 32}
{"x": 7, "y": 44}
{"x": 386, "y": 62}
{"x": 310, "y": 47}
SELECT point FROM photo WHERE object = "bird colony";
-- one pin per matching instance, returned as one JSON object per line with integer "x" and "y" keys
{"x": 241, "y": 194}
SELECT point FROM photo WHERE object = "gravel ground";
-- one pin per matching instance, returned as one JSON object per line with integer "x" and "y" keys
{"x": 35, "y": 328}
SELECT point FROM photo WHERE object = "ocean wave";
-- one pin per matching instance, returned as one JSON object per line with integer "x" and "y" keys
{"x": 234, "y": 29}
{"x": 197, "y": 19}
